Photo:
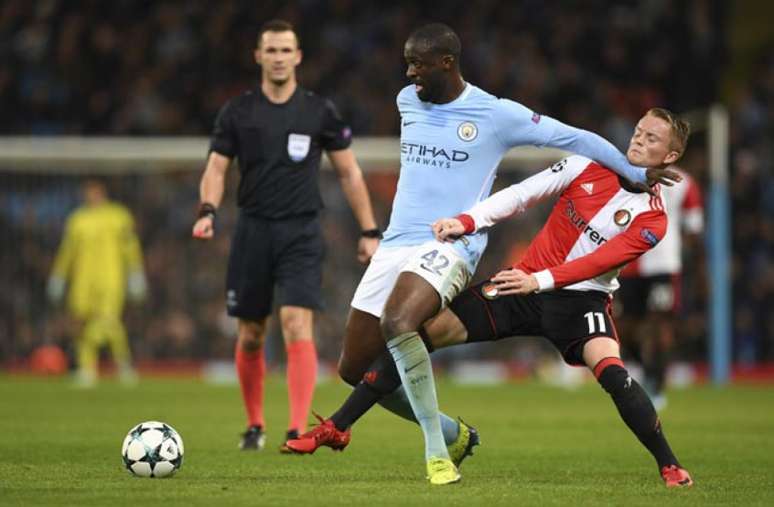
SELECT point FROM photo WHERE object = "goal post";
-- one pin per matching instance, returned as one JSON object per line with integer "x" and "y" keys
{"x": 719, "y": 245}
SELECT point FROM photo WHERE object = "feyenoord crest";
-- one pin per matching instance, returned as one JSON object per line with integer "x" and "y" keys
{"x": 489, "y": 291}
{"x": 622, "y": 217}
{"x": 467, "y": 131}
{"x": 298, "y": 146}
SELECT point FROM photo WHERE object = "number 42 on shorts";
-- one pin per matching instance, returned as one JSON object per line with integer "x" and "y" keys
{"x": 434, "y": 262}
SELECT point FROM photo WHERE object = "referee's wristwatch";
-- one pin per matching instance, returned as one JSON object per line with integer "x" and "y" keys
{"x": 207, "y": 209}
{"x": 371, "y": 233}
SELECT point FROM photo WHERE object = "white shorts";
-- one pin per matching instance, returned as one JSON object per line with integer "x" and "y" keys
{"x": 436, "y": 262}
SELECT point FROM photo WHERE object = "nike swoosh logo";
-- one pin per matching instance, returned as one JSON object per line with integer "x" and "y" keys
{"x": 407, "y": 123}
{"x": 412, "y": 367}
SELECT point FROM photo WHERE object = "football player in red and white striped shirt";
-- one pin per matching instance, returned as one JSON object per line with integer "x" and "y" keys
{"x": 655, "y": 279}
{"x": 562, "y": 289}
{"x": 598, "y": 225}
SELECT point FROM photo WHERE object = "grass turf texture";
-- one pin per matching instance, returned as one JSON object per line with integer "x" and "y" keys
{"x": 541, "y": 446}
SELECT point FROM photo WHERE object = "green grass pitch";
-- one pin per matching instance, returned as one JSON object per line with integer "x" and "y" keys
{"x": 541, "y": 446}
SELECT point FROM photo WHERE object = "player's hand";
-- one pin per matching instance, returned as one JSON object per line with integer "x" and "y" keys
{"x": 55, "y": 289}
{"x": 136, "y": 286}
{"x": 366, "y": 248}
{"x": 514, "y": 281}
{"x": 448, "y": 229}
{"x": 203, "y": 228}
{"x": 662, "y": 175}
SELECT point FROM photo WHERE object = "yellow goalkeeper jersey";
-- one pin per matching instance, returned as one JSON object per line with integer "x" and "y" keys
{"x": 98, "y": 251}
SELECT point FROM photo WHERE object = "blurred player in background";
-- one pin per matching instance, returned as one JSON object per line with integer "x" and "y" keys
{"x": 453, "y": 136}
{"x": 650, "y": 287}
{"x": 278, "y": 132}
{"x": 562, "y": 289}
{"x": 99, "y": 262}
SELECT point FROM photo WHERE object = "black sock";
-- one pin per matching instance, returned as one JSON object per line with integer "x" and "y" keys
{"x": 637, "y": 411}
{"x": 381, "y": 379}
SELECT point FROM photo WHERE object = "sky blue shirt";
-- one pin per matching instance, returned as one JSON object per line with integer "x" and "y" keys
{"x": 449, "y": 154}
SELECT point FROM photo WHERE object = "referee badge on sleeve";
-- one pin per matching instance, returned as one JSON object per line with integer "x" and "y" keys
{"x": 298, "y": 146}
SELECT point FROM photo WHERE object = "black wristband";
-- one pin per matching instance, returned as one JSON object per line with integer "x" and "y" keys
{"x": 206, "y": 209}
{"x": 371, "y": 233}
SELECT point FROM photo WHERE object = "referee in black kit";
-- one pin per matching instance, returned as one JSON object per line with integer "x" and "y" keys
{"x": 278, "y": 132}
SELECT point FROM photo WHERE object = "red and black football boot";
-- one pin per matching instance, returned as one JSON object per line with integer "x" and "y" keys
{"x": 676, "y": 477}
{"x": 324, "y": 434}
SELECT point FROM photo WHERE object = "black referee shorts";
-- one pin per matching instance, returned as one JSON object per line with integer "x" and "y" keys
{"x": 568, "y": 318}
{"x": 285, "y": 253}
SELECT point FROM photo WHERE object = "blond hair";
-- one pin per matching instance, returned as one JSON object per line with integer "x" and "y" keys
{"x": 681, "y": 129}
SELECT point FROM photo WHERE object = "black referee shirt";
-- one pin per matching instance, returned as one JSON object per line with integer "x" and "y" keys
{"x": 279, "y": 147}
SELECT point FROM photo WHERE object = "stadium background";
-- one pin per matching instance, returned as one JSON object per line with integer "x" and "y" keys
{"x": 146, "y": 69}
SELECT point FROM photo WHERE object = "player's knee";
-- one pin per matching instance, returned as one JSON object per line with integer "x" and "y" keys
{"x": 296, "y": 326}
{"x": 348, "y": 373}
{"x": 251, "y": 335}
{"x": 612, "y": 375}
{"x": 395, "y": 323}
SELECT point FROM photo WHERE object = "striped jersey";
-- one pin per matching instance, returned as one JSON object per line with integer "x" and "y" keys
{"x": 449, "y": 155}
{"x": 595, "y": 228}
{"x": 683, "y": 203}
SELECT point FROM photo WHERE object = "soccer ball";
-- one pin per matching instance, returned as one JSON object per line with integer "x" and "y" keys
{"x": 152, "y": 449}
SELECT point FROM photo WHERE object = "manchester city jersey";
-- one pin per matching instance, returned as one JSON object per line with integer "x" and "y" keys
{"x": 450, "y": 153}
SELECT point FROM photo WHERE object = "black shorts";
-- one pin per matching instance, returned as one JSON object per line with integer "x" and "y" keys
{"x": 287, "y": 253}
{"x": 567, "y": 318}
{"x": 641, "y": 295}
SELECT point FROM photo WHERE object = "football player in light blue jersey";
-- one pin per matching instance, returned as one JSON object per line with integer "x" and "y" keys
{"x": 453, "y": 136}
{"x": 450, "y": 152}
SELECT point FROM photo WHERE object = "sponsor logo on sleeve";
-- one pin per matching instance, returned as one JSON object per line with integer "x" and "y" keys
{"x": 535, "y": 118}
{"x": 648, "y": 236}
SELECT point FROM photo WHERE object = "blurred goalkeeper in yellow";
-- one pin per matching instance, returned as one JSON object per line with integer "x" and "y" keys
{"x": 100, "y": 262}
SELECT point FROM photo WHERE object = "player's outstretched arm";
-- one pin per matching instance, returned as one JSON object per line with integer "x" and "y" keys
{"x": 598, "y": 148}
{"x": 354, "y": 188}
{"x": 211, "y": 190}
{"x": 512, "y": 200}
{"x": 517, "y": 126}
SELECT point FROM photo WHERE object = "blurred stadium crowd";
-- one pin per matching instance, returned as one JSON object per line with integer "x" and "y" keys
{"x": 163, "y": 68}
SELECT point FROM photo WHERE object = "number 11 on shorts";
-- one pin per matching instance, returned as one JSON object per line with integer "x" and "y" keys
{"x": 600, "y": 320}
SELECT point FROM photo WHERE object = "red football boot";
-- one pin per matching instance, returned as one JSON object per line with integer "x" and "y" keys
{"x": 324, "y": 433}
{"x": 676, "y": 477}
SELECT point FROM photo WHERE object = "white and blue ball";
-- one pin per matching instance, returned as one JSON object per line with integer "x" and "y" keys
{"x": 152, "y": 449}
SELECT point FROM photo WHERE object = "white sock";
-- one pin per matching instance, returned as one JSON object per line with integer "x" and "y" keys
{"x": 398, "y": 403}
{"x": 416, "y": 373}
